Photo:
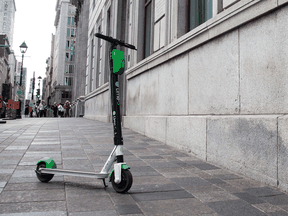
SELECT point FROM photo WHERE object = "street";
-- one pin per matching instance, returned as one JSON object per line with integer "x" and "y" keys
{"x": 166, "y": 181}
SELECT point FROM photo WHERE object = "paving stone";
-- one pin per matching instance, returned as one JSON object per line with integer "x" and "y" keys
{"x": 144, "y": 171}
{"x": 2, "y": 184}
{"x": 175, "y": 172}
{"x": 32, "y": 195}
{"x": 214, "y": 196}
{"x": 234, "y": 207}
{"x": 249, "y": 198}
{"x": 143, "y": 180}
{"x": 276, "y": 200}
{"x": 215, "y": 181}
{"x": 205, "y": 166}
{"x": 35, "y": 186}
{"x": 32, "y": 179}
{"x": 95, "y": 213}
{"x": 87, "y": 200}
{"x": 267, "y": 207}
{"x": 244, "y": 183}
{"x": 181, "y": 194}
{"x": 263, "y": 191}
{"x": 50, "y": 213}
{"x": 183, "y": 207}
{"x": 190, "y": 181}
{"x": 28, "y": 207}
{"x": 128, "y": 209}
{"x": 279, "y": 213}
{"x": 228, "y": 176}
{"x": 154, "y": 188}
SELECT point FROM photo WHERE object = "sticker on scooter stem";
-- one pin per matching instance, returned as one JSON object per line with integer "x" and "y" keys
{"x": 118, "y": 61}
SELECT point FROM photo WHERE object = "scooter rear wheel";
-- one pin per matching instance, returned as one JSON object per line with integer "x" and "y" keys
{"x": 126, "y": 181}
{"x": 43, "y": 177}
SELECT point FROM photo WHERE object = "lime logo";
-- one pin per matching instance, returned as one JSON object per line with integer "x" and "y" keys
{"x": 117, "y": 84}
{"x": 114, "y": 113}
{"x": 121, "y": 149}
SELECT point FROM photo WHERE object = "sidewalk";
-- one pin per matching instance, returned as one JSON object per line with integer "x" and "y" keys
{"x": 165, "y": 181}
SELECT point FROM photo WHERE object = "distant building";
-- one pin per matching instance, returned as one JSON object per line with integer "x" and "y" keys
{"x": 7, "y": 17}
{"x": 63, "y": 62}
{"x": 5, "y": 81}
{"x": 47, "y": 89}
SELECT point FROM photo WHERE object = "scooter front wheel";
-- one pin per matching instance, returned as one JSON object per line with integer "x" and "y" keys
{"x": 43, "y": 177}
{"x": 126, "y": 181}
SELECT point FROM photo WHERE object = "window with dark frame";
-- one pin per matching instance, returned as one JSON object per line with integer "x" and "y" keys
{"x": 147, "y": 28}
{"x": 199, "y": 11}
{"x": 99, "y": 50}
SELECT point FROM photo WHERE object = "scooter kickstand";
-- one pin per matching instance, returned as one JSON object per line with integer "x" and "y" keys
{"x": 105, "y": 185}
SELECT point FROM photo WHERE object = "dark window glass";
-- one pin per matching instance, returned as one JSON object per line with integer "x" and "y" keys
{"x": 199, "y": 12}
{"x": 147, "y": 29}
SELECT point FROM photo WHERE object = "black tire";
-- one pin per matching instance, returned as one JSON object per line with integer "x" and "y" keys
{"x": 126, "y": 181}
{"x": 43, "y": 177}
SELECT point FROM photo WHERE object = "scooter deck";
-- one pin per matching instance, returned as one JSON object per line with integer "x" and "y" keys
{"x": 73, "y": 173}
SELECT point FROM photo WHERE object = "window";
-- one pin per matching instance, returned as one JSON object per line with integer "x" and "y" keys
{"x": 71, "y": 68}
{"x": 67, "y": 57}
{"x": 68, "y": 81}
{"x": 199, "y": 12}
{"x": 68, "y": 32}
{"x": 147, "y": 28}
{"x": 73, "y": 21}
{"x": 71, "y": 57}
{"x": 69, "y": 20}
{"x": 66, "y": 68}
{"x": 99, "y": 59}
{"x": 66, "y": 94}
{"x": 72, "y": 33}
{"x": 67, "y": 44}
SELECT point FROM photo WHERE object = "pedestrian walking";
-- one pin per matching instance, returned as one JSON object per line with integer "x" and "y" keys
{"x": 55, "y": 109}
{"x": 45, "y": 109}
{"x": 26, "y": 110}
{"x": 61, "y": 110}
{"x": 41, "y": 109}
{"x": 67, "y": 107}
{"x": 37, "y": 109}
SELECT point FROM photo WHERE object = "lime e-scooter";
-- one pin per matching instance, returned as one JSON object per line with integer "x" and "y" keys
{"x": 120, "y": 177}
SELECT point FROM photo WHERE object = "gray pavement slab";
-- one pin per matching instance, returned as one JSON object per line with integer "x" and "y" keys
{"x": 166, "y": 181}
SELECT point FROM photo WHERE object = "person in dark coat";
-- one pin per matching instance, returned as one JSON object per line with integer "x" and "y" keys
{"x": 55, "y": 109}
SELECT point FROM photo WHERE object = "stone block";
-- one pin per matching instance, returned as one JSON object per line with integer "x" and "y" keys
{"x": 188, "y": 133}
{"x": 246, "y": 144}
{"x": 136, "y": 123}
{"x": 155, "y": 127}
{"x": 263, "y": 65}
{"x": 283, "y": 152}
{"x": 173, "y": 87}
{"x": 214, "y": 77}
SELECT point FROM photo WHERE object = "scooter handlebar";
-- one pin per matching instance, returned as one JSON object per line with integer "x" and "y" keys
{"x": 115, "y": 41}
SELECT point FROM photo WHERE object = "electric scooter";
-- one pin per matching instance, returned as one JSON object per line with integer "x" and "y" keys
{"x": 120, "y": 176}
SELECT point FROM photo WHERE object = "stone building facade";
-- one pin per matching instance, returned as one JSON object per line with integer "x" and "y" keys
{"x": 209, "y": 77}
{"x": 7, "y": 17}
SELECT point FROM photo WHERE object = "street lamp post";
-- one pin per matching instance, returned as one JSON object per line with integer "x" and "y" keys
{"x": 23, "y": 49}
{"x": 38, "y": 90}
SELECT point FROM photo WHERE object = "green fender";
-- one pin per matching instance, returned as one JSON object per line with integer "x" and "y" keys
{"x": 50, "y": 164}
{"x": 124, "y": 166}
